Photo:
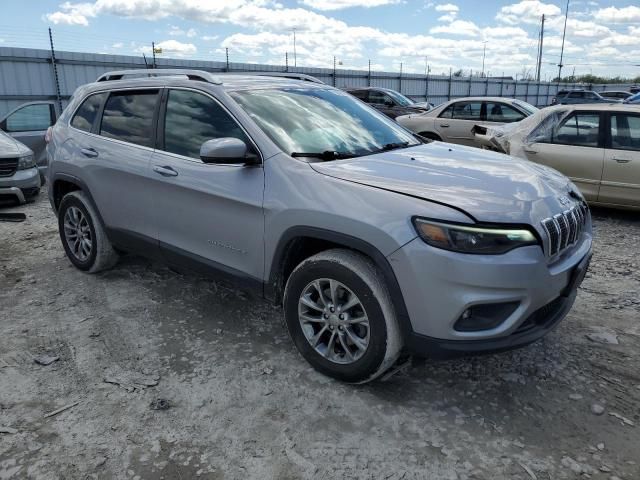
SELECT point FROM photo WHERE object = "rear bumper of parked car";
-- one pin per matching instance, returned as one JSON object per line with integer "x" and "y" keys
{"x": 22, "y": 185}
{"x": 527, "y": 297}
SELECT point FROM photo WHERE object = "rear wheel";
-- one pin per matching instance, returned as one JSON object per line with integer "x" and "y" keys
{"x": 83, "y": 237}
{"x": 340, "y": 317}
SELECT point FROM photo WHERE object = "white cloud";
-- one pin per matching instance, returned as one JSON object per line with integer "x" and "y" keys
{"x": 179, "y": 32}
{"x": 449, "y": 17}
{"x": 210, "y": 38}
{"x": 117, "y": 45}
{"x": 63, "y": 18}
{"x": 458, "y": 27}
{"x": 341, "y": 4}
{"x": 526, "y": 11}
{"x": 618, "y": 15}
{"x": 447, "y": 7}
{"x": 171, "y": 47}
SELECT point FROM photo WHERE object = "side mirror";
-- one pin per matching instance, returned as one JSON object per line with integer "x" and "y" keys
{"x": 226, "y": 150}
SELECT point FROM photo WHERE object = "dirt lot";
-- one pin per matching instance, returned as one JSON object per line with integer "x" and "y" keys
{"x": 243, "y": 403}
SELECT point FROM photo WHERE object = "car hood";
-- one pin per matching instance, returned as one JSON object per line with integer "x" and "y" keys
{"x": 10, "y": 147}
{"x": 488, "y": 186}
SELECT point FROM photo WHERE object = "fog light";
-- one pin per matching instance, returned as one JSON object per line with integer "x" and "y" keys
{"x": 485, "y": 317}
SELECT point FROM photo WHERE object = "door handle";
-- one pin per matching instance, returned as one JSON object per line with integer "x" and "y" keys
{"x": 89, "y": 152}
{"x": 165, "y": 171}
{"x": 444, "y": 125}
{"x": 622, "y": 160}
{"x": 532, "y": 152}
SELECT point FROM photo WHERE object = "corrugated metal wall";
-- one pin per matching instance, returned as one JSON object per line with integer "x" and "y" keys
{"x": 27, "y": 75}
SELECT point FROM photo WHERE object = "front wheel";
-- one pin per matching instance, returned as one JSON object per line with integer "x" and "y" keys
{"x": 340, "y": 316}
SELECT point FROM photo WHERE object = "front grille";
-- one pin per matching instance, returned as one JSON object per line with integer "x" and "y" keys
{"x": 8, "y": 166}
{"x": 564, "y": 229}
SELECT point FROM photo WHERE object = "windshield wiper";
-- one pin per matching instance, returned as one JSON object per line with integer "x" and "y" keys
{"x": 326, "y": 155}
{"x": 391, "y": 146}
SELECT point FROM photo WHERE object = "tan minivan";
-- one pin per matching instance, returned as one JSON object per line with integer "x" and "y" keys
{"x": 597, "y": 146}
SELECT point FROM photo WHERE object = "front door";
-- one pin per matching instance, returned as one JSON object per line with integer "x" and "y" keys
{"x": 208, "y": 215}
{"x": 573, "y": 148}
{"x": 621, "y": 173}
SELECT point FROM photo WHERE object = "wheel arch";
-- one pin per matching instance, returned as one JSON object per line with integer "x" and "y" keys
{"x": 299, "y": 243}
{"x": 63, "y": 183}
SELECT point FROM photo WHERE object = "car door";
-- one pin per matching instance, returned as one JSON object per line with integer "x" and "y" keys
{"x": 383, "y": 102}
{"x": 455, "y": 122}
{"x": 621, "y": 173}
{"x": 28, "y": 124}
{"x": 208, "y": 215}
{"x": 574, "y": 147}
{"x": 113, "y": 154}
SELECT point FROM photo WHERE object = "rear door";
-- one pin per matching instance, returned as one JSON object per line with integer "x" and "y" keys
{"x": 576, "y": 148}
{"x": 28, "y": 124}
{"x": 621, "y": 174}
{"x": 209, "y": 215}
{"x": 455, "y": 122}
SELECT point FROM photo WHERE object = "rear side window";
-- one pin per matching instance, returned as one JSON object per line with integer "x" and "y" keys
{"x": 193, "y": 118}
{"x": 580, "y": 129}
{"x": 625, "y": 132}
{"x": 86, "y": 114}
{"x": 128, "y": 116}
{"x": 31, "y": 118}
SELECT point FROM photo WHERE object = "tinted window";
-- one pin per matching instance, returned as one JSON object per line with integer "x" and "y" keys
{"x": 463, "y": 111}
{"x": 576, "y": 95}
{"x": 579, "y": 129}
{"x": 128, "y": 116}
{"x": 30, "y": 118}
{"x": 625, "y": 131}
{"x": 86, "y": 114}
{"x": 501, "y": 112}
{"x": 192, "y": 119}
{"x": 379, "y": 97}
{"x": 361, "y": 94}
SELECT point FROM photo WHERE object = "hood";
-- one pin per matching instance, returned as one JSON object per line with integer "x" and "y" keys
{"x": 489, "y": 186}
{"x": 10, "y": 147}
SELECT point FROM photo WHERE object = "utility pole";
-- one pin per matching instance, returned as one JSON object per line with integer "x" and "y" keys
{"x": 153, "y": 49}
{"x": 564, "y": 33}
{"x": 484, "y": 52}
{"x": 226, "y": 51}
{"x": 295, "y": 56}
{"x": 286, "y": 61}
{"x": 540, "y": 45}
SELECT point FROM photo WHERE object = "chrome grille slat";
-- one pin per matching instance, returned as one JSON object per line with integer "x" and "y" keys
{"x": 564, "y": 229}
{"x": 8, "y": 166}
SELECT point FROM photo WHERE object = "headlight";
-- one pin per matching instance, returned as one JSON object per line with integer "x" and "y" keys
{"x": 26, "y": 162}
{"x": 471, "y": 239}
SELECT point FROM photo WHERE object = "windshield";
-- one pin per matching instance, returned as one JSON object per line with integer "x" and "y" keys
{"x": 321, "y": 120}
{"x": 400, "y": 99}
{"x": 527, "y": 107}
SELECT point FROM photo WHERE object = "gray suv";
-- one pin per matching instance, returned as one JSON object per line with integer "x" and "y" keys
{"x": 376, "y": 244}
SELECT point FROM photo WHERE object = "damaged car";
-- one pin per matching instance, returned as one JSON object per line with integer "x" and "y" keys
{"x": 596, "y": 146}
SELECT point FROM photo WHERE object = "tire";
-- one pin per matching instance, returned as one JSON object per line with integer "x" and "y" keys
{"x": 355, "y": 278}
{"x": 101, "y": 255}
{"x": 431, "y": 136}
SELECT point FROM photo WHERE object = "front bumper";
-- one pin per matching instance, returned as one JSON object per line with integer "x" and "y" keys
{"x": 21, "y": 185}
{"x": 438, "y": 286}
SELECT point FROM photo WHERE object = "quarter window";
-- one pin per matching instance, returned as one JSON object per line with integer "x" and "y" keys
{"x": 31, "y": 118}
{"x": 581, "y": 129}
{"x": 501, "y": 112}
{"x": 193, "y": 118}
{"x": 625, "y": 132}
{"x": 128, "y": 116}
{"x": 86, "y": 114}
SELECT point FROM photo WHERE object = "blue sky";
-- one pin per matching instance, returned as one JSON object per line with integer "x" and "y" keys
{"x": 603, "y": 36}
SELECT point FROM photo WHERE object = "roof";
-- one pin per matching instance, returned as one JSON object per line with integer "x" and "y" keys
{"x": 614, "y": 106}
{"x": 486, "y": 99}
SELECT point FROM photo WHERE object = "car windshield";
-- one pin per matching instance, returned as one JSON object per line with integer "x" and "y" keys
{"x": 527, "y": 107}
{"x": 400, "y": 99}
{"x": 321, "y": 120}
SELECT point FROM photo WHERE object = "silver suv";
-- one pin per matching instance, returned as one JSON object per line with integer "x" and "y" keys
{"x": 377, "y": 244}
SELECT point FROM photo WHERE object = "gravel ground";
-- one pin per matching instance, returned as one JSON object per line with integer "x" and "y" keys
{"x": 243, "y": 403}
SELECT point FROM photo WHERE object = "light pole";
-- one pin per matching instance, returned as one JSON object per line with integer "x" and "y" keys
{"x": 295, "y": 56}
{"x": 484, "y": 52}
{"x": 564, "y": 33}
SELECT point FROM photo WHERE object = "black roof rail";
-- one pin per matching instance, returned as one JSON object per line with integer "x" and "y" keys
{"x": 199, "y": 75}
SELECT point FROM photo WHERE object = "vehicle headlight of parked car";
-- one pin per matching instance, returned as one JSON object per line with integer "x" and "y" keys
{"x": 471, "y": 239}
{"x": 26, "y": 161}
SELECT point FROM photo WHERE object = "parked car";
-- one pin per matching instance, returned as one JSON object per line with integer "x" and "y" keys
{"x": 391, "y": 103}
{"x": 19, "y": 177}
{"x": 452, "y": 121}
{"x": 28, "y": 123}
{"x": 615, "y": 94}
{"x": 377, "y": 244}
{"x": 633, "y": 100}
{"x": 634, "y": 89}
{"x": 576, "y": 97}
{"x": 597, "y": 146}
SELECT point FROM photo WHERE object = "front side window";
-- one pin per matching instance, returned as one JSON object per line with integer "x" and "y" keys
{"x": 86, "y": 114}
{"x": 193, "y": 118}
{"x": 401, "y": 99}
{"x": 319, "y": 120}
{"x": 576, "y": 95}
{"x": 30, "y": 118}
{"x": 379, "y": 98}
{"x": 625, "y": 132}
{"x": 128, "y": 116}
{"x": 501, "y": 112}
{"x": 580, "y": 129}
